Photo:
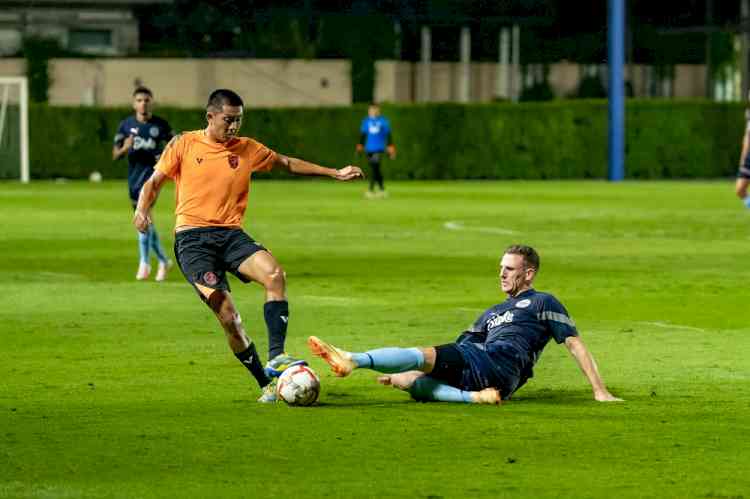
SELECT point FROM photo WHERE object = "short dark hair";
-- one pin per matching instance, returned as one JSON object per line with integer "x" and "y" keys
{"x": 221, "y": 97}
{"x": 143, "y": 90}
{"x": 529, "y": 254}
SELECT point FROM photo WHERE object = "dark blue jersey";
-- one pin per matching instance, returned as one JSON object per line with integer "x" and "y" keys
{"x": 514, "y": 332}
{"x": 150, "y": 138}
{"x": 376, "y": 132}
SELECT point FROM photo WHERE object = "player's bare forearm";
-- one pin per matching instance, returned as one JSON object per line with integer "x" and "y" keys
{"x": 147, "y": 198}
{"x": 586, "y": 363}
{"x": 745, "y": 148}
{"x": 298, "y": 166}
{"x": 118, "y": 152}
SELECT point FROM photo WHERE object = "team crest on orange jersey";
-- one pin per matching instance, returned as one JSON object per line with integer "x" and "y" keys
{"x": 234, "y": 161}
{"x": 210, "y": 278}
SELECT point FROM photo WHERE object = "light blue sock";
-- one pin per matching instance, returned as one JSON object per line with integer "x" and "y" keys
{"x": 390, "y": 360}
{"x": 746, "y": 201}
{"x": 430, "y": 389}
{"x": 156, "y": 244}
{"x": 143, "y": 246}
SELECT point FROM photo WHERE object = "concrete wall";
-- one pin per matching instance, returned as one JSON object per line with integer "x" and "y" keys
{"x": 279, "y": 83}
{"x": 401, "y": 81}
{"x": 187, "y": 82}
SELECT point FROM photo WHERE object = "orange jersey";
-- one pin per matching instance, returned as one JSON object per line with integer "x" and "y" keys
{"x": 212, "y": 179}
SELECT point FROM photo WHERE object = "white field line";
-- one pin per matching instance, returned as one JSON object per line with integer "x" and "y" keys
{"x": 457, "y": 225}
{"x": 331, "y": 299}
{"x": 667, "y": 325}
{"x": 468, "y": 309}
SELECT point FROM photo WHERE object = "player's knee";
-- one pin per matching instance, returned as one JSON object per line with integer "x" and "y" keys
{"x": 231, "y": 322}
{"x": 224, "y": 309}
{"x": 741, "y": 192}
{"x": 276, "y": 280}
{"x": 226, "y": 317}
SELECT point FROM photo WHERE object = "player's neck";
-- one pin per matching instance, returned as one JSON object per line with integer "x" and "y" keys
{"x": 213, "y": 138}
{"x": 142, "y": 118}
{"x": 519, "y": 292}
{"x": 210, "y": 136}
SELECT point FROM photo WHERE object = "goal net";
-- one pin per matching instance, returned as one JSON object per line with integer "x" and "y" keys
{"x": 14, "y": 128}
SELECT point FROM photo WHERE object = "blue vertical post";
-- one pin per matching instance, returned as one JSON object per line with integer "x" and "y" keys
{"x": 616, "y": 90}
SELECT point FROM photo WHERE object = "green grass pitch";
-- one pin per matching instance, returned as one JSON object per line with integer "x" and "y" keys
{"x": 112, "y": 388}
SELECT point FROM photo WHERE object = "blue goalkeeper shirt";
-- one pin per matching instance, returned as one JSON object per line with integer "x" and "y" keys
{"x": 376, "y": 132}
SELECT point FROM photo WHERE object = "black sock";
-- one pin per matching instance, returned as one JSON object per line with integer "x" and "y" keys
{"x": 276, "y": 314}
{"x": 250, "y": 360}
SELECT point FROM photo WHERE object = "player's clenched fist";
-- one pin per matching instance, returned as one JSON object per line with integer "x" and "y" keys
{"x": 349, "y": 173}
{"x": 141, "y": 221}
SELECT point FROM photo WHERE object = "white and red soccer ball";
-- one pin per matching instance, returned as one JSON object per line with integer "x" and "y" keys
{"x": 298, "y": 385}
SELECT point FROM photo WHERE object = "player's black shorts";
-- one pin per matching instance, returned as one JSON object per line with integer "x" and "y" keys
{"x": 744, "y": 171}
{"x": 449, "y": 365}
{"x": 374, "y": 157}
{"x": 205, "y": 255}
{"x": 501, "y": 369}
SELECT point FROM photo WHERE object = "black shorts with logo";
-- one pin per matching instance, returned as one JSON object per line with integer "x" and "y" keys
{"x": 205, "y": 255}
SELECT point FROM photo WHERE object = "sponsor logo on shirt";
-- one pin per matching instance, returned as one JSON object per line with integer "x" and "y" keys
{"x": 499, "y": 320}
{"x": 141, "y": 143}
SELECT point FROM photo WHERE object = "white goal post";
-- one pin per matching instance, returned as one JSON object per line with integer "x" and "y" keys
{"x": 14, "y": 127}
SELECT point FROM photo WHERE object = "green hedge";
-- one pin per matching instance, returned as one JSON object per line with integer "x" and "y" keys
{"x": 561, "y": 139}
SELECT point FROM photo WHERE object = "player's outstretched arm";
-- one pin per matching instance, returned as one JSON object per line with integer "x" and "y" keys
{"x": 586, "y": 362}
{"x": 301, "y": 167}
{"x": 149, "y": 193}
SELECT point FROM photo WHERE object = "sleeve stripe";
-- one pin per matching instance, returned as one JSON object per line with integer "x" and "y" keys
{"x": 557, "y": 317}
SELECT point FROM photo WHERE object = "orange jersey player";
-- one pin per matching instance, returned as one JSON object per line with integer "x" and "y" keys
{"x": 212, "y": 170}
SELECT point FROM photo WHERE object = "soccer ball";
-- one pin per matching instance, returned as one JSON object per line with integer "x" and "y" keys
{"x": 298, "y": 385}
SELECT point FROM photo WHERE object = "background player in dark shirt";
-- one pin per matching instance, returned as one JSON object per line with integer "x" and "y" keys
{"x": 490, "y": 361}
{"x": 375, "y": 138}
{"x": 142, "y": 137}
{"x": 743, "y": 173}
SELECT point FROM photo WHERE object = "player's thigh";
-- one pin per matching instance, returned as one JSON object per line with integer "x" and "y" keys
{"x": 260, "y": 267}
{"x": 238, "y": 249}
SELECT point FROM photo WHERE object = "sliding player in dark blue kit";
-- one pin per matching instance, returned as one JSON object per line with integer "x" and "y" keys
{"x": 493, "y": 359}
{"x": 142, "y": 137}
{"x": 375, "y": 139}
